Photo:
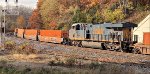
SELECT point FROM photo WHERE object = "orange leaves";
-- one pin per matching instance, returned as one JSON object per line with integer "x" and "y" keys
{"x": 94, "y": 2}
{"x": 39, "y": 3}
{"x": 35, "y": 20}
{"x": 90, "y": 3}
{"x": 53, "y": 25}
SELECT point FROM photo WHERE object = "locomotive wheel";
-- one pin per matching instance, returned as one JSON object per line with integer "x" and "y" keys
{"x": 80, "y": 44}
{"x": 136, "y": 51}
{"x": 74, "y": 43}
{"x": 77, "y": 43}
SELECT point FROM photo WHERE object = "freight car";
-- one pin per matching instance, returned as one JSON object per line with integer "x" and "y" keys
{"x": 54, "y": 36}
{"x": 107, "y": 36}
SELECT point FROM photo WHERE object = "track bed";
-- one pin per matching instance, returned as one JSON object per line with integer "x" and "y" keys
{"x": 85, "y": 53}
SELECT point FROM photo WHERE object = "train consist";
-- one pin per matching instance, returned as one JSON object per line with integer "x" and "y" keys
{"x": 106, "y": 36}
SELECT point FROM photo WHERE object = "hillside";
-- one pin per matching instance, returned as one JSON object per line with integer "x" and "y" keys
{"x": 137, "y": 16}
{"x": 56, "y": 14}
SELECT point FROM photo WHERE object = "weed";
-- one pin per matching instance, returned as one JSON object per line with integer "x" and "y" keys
{"x": 24, "y": 49}
{"x": 52, "y": 63}
{"x": 3, "y": 62}
{"x": 94, "y": 65}
{"x": 60, "y": 63}
{"x": 70, "y": 61}
{"x": 9, "y": 45}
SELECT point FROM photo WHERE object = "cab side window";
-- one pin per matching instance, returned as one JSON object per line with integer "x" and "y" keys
{"x": 73, "y": 27}
{"x": 78, "y": 27}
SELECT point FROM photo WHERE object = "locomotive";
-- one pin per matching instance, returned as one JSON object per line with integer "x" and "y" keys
{"x": 106, "y": 36}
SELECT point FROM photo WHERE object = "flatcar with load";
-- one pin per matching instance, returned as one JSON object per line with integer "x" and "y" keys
{"x": 54, "y": 36}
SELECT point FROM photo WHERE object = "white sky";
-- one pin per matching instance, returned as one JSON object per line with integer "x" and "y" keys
{"x": 28, "y": 3}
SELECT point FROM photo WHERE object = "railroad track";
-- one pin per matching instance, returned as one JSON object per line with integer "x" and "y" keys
{"x": 84, "y": 53}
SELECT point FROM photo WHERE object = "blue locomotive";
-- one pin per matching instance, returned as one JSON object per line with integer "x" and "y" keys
{"x": 102, "y": 35}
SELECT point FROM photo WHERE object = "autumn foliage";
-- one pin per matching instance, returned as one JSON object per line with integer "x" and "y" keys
{"x": 53, "y": 25}
{"x": 35, "y": 19}
{"x": 20, "y": 22}
{"x": 60, "y": 14}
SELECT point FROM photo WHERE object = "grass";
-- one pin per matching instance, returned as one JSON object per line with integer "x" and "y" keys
{"x": 71, "y": 61}
{"x": 23, "y": 48}
{"x": 9, "y": 45}
{"x": 100, "y": 69}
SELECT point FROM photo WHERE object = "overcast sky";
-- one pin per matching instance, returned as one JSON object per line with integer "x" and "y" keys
{"x": 28, "y": 3}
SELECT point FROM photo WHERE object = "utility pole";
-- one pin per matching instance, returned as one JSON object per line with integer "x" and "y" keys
{"x": 0, "y": 27}
{"x": 6, "y": 11}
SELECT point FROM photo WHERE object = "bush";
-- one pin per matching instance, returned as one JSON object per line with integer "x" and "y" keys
{"x": 52, "y": 63}
{"x": 9, "y": 45}
{"x": 60, "y": 63}
{"x": 94, "y": 65}
{"x": 70, "y": 61}
{"x": 24, "y": 48}
{"x": 3, "y": 62}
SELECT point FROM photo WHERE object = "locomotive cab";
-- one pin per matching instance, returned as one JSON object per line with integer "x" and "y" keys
{"x": 77, "y": 31}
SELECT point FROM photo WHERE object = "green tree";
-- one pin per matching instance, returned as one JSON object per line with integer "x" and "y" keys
{"x": 49, "y": 12}
{"x": 113, "y": 16}
{"x": 79, "y": 16}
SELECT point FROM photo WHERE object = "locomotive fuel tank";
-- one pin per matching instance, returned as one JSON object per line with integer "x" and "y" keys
{"x": 96, "y": 45}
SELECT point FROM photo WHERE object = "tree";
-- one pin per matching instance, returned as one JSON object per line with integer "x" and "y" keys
{"x": 11, "y": 22}
{"x": 79, "y": 17}
{"x": 53, "y": 25}
{"x": 39, "y": 3}
{"x": 113, "y": 16}
{"x": 67, "y": 12}
{"x": 25, "y": 12}
{"x": 49, "y": 12}
{"x": 20, "y": 21}
{"x": 35, "y": 20}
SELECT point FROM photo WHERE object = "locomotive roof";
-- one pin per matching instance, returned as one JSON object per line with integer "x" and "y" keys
{"x": 78, "y": 23}
{"x": 125, "y": 24}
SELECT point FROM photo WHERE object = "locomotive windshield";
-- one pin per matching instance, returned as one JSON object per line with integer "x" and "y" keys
{"x": 76, "y": 26}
